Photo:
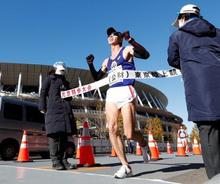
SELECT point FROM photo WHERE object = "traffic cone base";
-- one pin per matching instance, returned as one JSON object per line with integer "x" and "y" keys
{"x": 88, "y": 158}
{"x": 86, "y": 150}
{"x": 153, "y": 151}
{"x": 180, "y": 149}
{"x": 153, "y": 147}
{"x": 196, "y": 147}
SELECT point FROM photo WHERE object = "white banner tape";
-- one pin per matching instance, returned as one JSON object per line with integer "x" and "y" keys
{"x": 119, "y": 76}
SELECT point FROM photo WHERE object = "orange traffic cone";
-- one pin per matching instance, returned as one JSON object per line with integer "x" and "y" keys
{"x": 169, "y": 149}
{"x": 157, "y": 147}
{"x": 23, "y": 155}
{"x": 113, "y": 153}
{"x": 196, "y": 147}
{"x": 78, "y": 148}
{"x": 180, "y": 148}
{"x": 86, "y": 149}
{"x": 138, "y": 149}
{"x": 153, "y": 148}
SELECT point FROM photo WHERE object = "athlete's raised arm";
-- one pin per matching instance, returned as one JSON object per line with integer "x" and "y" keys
{"x": 136, "y": 49}
{"x": 97, "y": 75}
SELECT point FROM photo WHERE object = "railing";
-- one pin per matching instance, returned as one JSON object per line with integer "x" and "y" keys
{"x": 88, "y": 111}
{"x": 101, "y": 146}
{"x": 99, "y": 112}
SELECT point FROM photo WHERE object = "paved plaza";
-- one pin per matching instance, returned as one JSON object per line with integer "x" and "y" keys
{"x": 170, "y": 169}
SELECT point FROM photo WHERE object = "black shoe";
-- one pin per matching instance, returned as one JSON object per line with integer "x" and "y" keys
{"x": 69, "y": 166}
{"x": 58, "y": 166}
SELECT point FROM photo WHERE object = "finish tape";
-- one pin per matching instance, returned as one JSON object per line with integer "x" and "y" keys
{"x": 115, "y": 77}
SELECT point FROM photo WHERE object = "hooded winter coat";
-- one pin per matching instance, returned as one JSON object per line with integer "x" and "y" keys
{"x": 59, "y": 117}
{"x": 195, "y": 50}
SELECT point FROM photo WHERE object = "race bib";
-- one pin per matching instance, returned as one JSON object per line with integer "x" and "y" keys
{"x": 115, "y": 75}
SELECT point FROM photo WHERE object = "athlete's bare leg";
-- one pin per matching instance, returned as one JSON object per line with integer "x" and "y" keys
{"x": 112, "y": 113}
{"x": 129, "y": 122}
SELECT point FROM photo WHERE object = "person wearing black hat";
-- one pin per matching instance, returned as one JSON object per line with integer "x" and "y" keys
{"x": 121, "y": 95}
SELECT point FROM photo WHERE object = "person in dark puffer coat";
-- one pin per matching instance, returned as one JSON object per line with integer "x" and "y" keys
{"x": 59, "y": 119}
{"x": 195, "y": 49}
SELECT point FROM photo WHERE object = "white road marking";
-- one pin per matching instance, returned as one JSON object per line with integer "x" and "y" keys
{"x": 91, "y": 174}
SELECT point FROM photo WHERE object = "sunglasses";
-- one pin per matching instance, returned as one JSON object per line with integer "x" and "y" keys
{"x": 115, "y": 34}
{"x": 180, "y": 16}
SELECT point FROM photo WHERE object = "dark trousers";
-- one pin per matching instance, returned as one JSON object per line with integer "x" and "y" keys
{"x": 57, "y": 147}
{"x": 209, "y": 132}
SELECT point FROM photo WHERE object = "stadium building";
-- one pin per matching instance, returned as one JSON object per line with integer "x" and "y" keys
{"x": 24, "y": 81}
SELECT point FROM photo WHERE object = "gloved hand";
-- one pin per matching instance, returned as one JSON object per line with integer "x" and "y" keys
{"x": 126, "y": 35}
{"x": 90, "y": 58}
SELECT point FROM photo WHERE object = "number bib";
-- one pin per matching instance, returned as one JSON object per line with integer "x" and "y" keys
{"x": 115, "y": 75}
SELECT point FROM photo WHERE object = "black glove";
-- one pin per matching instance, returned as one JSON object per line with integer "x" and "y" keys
{"x": 90, "y": 58}
{"x": 126, "y": 35}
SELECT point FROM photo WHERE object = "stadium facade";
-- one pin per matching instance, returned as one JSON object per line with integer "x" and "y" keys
{"x": 24, "y": 81}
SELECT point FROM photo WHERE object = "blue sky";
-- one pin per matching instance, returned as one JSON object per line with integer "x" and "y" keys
{"x": 45, "y": 31}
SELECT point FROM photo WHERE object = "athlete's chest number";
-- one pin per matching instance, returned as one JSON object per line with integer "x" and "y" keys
{"x": 115, "y": 75}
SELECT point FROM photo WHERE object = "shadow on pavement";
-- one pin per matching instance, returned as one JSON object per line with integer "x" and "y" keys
{"x": 118, "y": 163}
{"x": 173, "y": 169}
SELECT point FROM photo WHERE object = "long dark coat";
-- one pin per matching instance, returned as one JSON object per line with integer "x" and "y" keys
{"x": 195, "y": 49}
{"x": 59, "y": 117}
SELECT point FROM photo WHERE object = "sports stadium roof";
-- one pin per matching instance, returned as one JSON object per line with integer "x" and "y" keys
{"x": 31, "y": 72}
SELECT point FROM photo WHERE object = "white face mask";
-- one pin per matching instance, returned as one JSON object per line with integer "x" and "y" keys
{"x": 60, "y": 72}
{"x": 181, "y": 23}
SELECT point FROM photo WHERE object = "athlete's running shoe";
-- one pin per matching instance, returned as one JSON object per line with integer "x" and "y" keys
{"x": 124, "y": 172}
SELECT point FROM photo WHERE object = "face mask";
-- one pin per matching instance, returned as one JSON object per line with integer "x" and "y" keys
{"x": 181, "y": 23}
{"x": 60, "y": 68}
{"x": 60, "y": 72}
